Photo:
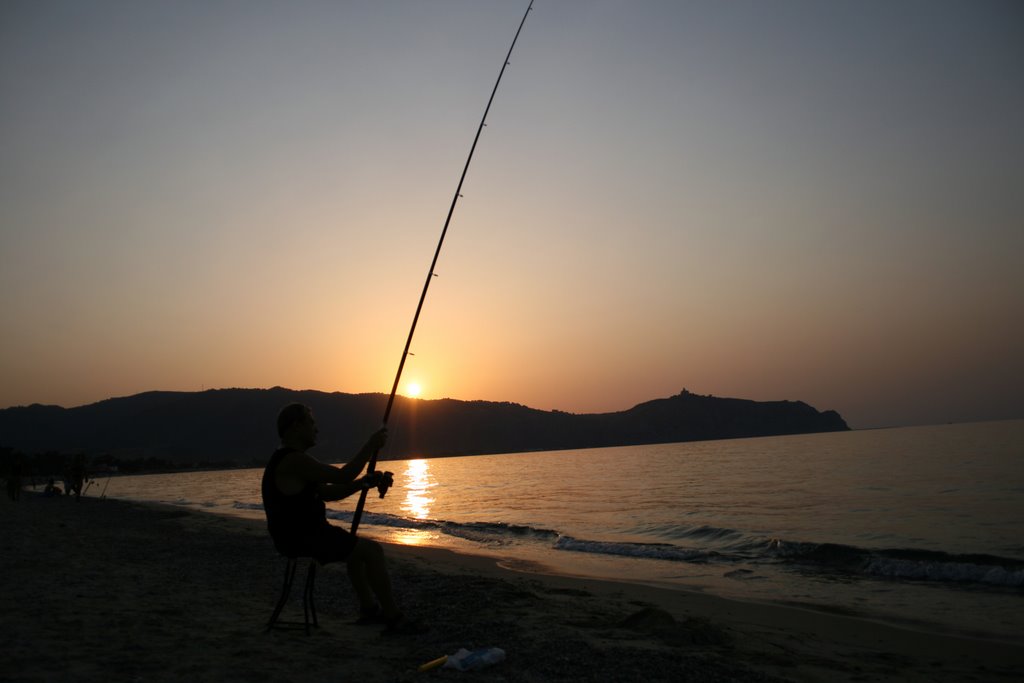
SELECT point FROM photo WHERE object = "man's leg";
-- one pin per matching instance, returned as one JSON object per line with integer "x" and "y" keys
{"x": 369, "y": 575}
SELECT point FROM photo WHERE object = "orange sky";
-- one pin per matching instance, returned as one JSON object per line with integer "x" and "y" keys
{"x": 795, "y": 201}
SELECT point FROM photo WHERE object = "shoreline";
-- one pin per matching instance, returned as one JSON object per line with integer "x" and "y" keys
{"x": 117, "y": 590}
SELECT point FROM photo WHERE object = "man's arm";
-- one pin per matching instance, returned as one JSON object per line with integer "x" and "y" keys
{"x": 353, "y": 467}
{"x": 339, "y": 491}
{"x": 336, "y": 482}
{"x": 301, "y": 467}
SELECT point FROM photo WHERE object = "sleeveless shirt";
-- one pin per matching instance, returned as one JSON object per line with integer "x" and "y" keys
{"x": 292, "y": 519}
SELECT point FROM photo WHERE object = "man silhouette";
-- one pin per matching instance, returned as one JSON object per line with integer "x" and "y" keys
{"x": 295, "y": 487}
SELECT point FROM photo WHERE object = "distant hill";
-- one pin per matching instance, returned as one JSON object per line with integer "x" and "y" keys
{"x": 239, "y": 424}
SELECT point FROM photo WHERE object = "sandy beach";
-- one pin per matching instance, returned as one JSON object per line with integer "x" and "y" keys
{"x": 111, "y": 590}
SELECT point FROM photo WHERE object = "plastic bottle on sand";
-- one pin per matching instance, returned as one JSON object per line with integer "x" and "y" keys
{"x": 464, "y": 660}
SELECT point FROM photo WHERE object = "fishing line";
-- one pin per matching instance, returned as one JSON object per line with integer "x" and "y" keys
{"x": 372, "y": 465}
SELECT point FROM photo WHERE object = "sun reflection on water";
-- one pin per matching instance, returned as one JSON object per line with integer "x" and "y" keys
{"x": 417, "y": 488}
{"x": 416, "y": 504}
{"x": 411, "y": 537}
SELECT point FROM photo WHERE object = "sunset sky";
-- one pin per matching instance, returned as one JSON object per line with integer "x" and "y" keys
{"x": 817, "y": 201}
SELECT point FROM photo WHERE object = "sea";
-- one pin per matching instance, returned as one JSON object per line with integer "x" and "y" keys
{"x": 919, "y": 527}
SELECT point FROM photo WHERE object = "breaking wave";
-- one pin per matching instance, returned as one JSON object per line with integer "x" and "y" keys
{"x": 708, "y": 544}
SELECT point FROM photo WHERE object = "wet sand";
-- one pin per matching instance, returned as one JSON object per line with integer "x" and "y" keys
{"x": 116, "y": 591}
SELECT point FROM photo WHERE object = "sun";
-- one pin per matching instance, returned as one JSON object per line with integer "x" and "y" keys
{"x": 413, "y": 389}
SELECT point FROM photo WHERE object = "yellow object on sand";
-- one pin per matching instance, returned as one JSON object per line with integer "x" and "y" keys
{"x": 433, "y": 664}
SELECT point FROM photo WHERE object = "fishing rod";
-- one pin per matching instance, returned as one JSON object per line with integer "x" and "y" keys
{"x": 103, "y": 494}
{"x": 372, "y": 465}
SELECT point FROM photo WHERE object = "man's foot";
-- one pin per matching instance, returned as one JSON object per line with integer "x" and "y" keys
{"x": 403, "y": 626}
{"x": 374, "y": 615}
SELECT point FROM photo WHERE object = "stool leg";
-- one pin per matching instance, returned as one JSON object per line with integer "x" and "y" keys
{"x": 307, "y": 595}
{"x": 286, "y": 589}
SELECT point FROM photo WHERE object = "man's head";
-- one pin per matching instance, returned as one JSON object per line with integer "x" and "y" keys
{"x": 296, "y": 426}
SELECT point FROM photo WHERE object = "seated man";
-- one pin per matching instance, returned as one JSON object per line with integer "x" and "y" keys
{"x": 295, "y": 486}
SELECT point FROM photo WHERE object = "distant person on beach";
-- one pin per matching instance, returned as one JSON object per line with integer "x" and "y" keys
{"x": 75, "y": 476}
{"x": 14, "y": 478}
{"x": 296, "y": 485}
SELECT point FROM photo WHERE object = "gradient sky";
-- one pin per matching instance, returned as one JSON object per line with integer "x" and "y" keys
{"x": 820, "y": 201}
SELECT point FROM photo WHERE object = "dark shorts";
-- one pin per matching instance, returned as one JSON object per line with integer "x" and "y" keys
{"x": 333, "y": 544}
{"x": 327, "y": 544}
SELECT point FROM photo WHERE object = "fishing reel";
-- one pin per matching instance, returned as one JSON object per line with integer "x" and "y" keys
{"x": 384, "y": 481}
{"x": 387, "y": 480}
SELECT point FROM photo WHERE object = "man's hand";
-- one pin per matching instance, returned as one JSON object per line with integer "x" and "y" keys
{"x": 376, "y": 441}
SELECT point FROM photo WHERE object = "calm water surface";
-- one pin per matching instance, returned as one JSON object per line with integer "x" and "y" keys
{"x": 918, "y": 526}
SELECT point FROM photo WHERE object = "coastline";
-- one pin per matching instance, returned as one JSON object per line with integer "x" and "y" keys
{"x": 116, "y": 590}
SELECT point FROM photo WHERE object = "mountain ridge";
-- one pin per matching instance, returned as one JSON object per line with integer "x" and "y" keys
{"x": 239, "y": 424}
